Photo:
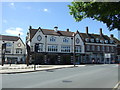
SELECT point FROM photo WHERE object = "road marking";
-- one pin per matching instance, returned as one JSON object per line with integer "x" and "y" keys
{"x": 116, "y": 86}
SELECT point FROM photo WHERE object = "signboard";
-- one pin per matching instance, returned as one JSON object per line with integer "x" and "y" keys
{"x": 107, "y": 55}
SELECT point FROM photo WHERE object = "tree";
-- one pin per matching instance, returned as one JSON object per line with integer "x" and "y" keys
{"x": 106, "y": 12}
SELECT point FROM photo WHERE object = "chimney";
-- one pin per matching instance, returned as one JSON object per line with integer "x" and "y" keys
{"x": 86, "y": 30}
{"x": 30, "y": 27}
{"x": 101, "y": 32}
{"x": 111, "y": 35}
{"x": 67, "y": 30}
{"x": 55, "y": 28}
{"x": 19, "y": 35}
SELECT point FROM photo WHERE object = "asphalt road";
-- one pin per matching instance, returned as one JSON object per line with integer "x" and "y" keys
{"x": 90, "y": 76}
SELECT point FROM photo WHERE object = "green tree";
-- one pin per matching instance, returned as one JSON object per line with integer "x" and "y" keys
{"x": 106, "y": 12}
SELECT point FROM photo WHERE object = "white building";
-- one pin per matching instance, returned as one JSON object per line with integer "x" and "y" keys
{"x": 15, "y": 49}
{"x": 51, "y": 46}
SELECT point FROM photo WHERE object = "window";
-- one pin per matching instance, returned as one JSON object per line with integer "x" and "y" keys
{"x": 65, "y": 48}
{"x": 8, "y": 44}
{"x": 88, "y": 47}
{"x": 111, "y": 41}
{"x": 92, "y": 40}
{"x": 97, "y": 40}
{"x": 52, "y": 48}
{"x": 77, "y": 49}
{"x": 87, "y": 39}
{"x": 112, "y": 49}
{"x": 53, "y": 39}
{"x": 93, "y": 48}
{"x": 66, "y": 40}
{"x": 40, "y": 47}
{"x": 18, "y": 51}
{"x": 108, "y": 48}
{"x": 106, "y": 41}
{"x": 103, "y": 48}
{"x": 102, "y": 41}
{"x": 98, "y": 48}
{"x": 8, "y": 50}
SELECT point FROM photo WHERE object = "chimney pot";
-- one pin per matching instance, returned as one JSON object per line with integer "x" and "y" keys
{"x": 112, "y": 35}
{"x": 56, "y": 28}
{"x": 86, "y": 30}
{"x": 67, "y": 30}
{"x": 101, "y": 32}
{"x": 30, "y": 27}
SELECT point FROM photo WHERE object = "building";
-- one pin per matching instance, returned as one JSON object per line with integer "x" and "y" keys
{"x": 50, "y": 46}
{"x": 97, "y": 47}
{"x": 118, "y": 47}
{"x": 59, "y": 47}
{"x": 15, "y": 49}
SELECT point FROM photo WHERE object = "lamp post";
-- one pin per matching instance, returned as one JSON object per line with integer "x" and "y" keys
{"x": 74, "y": 52}
{"x": 3, "y": 52}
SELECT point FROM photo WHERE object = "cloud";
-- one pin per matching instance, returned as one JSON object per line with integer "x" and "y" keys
{"x": 12, "y": 5}
{"x": 45, "y": 10}
{"x": 14, "y": 31}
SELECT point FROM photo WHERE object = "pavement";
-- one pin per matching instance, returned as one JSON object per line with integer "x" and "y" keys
{"x": 23, "y": 68}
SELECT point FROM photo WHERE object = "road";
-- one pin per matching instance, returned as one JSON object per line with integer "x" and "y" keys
{"x": 90, "y": 76}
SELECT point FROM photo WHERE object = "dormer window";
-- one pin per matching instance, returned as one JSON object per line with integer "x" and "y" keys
{"x": 106, "y": 41}
{"x": 53, "y": 39}
{"x": 66, "y": 40}
{"x": 111, "y": 41}
{"x": 92, "y": 40}
{"x": 102, "y": 41}
{"x": 87, "y": 39}
{"x": 97, "y": 40}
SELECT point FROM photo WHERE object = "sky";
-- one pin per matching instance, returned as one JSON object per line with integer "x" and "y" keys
{"x": 18, "y": 16}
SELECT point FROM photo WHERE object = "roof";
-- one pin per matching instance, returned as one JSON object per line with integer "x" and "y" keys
{"x": 93, "y": 36}
{"x": 9, "y": 38}
{"x": 116, "y": 40}
{"x": 51, "y": 32}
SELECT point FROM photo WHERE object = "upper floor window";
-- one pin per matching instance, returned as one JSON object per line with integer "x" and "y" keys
{"x": 88, "y": 47}
{"x": 87, "y": 39}
{"x": 97, "y": 40}
{"x": 102, "y": 41}
{"x": 111, "y": 41}
{"x": 8, "y": 44}
{"x": 106, "y": 41}
{"x": 65, "y": 48}
{"x": 38, "y": 47}
{"x": 52, "y": 48}
{"x": 53, "y": 39}
{"x": 112, "y": 48}
{"x": 18, "y": 51}
{"x": 8, "y": 50}
{"x": 108, "y": 48}
{"x": 98, "y": 48}
{"x": 103, "y": 48}
{"x": 77, "y": 49}
{"x": 93, "y": 48}
{"x": 66, "y": 40}
{"x": 92, "y": 40}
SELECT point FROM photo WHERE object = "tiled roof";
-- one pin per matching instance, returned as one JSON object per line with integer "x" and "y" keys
{"x": 116, "y": 40}
{"x": 94, "y": 36}
{"x": 51, "y": 32}
{"x": 8, "y": 38}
